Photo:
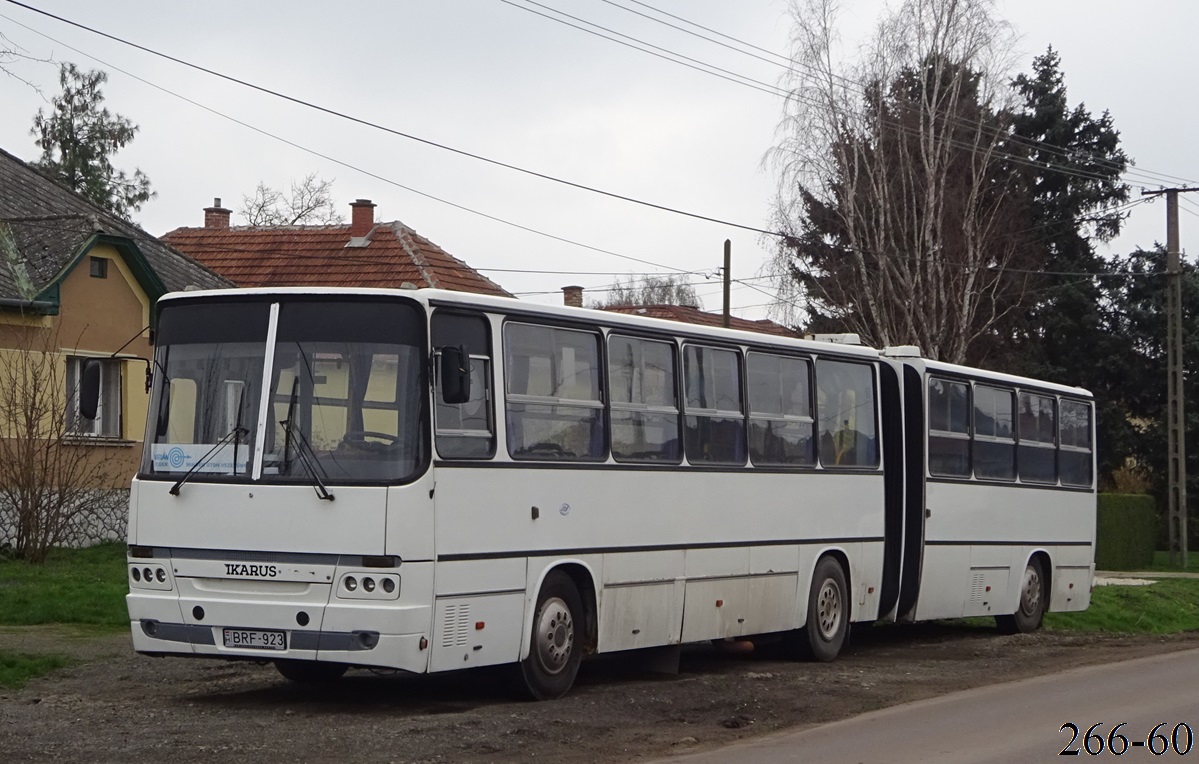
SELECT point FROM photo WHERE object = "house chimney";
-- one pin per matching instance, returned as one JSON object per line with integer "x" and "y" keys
{"x": 216, "y": 216}
{"x": 362, "y": 217}
{"x": 572, "y": 296}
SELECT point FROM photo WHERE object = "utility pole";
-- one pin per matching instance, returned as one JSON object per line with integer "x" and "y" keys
{"x": 728, "y": 279}
{"x": 1175, "y": 408}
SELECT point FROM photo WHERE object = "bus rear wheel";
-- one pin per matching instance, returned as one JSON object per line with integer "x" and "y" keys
{"x": 555, "y": 648}
{"x": 1033, "y": 601}
{"x": 822, "y": 638}
{"x": 310, "y": 672}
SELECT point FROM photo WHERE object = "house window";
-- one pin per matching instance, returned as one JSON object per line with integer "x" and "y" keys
{"x": 107, "y": 423}
{"x": 99, "y": 267}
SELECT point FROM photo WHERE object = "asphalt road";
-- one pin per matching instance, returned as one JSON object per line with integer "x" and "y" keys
{"x": 1013, "y": 722}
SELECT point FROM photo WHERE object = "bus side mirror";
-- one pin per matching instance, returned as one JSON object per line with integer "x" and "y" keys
{"x": 89, "y": 388}
{"x": 455, "y": 374}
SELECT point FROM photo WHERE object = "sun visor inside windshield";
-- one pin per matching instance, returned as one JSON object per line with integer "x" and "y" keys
{"x": 213, "y": 322}
{"x": 385, "y": 322}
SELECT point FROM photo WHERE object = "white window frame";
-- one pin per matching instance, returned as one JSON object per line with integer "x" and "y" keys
{"x": 107, "y": 424}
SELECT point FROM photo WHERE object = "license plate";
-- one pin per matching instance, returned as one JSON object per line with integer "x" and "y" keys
{"x": 256, "y": 639}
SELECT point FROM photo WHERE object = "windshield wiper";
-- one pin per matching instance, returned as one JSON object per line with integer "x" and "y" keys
{"x": 235, "y": 433}
{"x": 303, "y": 449}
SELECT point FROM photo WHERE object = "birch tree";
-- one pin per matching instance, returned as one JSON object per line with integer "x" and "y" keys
{"x": 902, "y": 209}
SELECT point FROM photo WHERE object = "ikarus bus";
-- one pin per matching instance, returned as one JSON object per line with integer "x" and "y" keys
{"x": 428, "y": 480}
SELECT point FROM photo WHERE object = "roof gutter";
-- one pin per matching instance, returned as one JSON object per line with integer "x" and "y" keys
{"x": 37, "y": 306}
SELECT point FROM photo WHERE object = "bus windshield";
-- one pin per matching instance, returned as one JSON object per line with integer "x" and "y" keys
{"x": 343, "y": 383}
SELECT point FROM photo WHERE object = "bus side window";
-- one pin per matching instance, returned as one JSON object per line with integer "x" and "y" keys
{"x": 464, "y": 430}
{"x": 552, "y": 382}
{"x": 1038, "y": 436}
{"x": 644, "y": 400}
{"x": 948, "y": 428}
{"x": 1075, "y": 445}
{"x": 781, "y": 427}
{"x": 846, "y": 413}
{"x": 715, "y": 418}
{"x": 994, "y": 433}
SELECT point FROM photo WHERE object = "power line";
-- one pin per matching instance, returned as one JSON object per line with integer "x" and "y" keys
{"x": 393, "y": 131}
{"x": 350, "y": 166}
{"x": 902, "y": 127}
{"x": 687, "y": 61}
{"x": 789, "y": 64}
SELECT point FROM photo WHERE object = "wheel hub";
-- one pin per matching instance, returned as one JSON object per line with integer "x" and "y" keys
{"x": 828, "y": 609}
{"x": 555, "y": 636}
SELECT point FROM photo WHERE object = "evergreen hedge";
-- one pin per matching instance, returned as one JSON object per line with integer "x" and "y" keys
{"x": 1127, "y": 531}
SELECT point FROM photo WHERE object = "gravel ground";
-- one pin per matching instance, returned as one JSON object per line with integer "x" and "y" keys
{"x": 113, "y": 705}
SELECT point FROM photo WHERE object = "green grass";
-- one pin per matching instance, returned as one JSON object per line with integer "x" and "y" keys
{"x": 1161, "y": 561}
{"x": 17, "y": 669}
{"x": 75, "y": 586}
{"x": 1169, "y": 606}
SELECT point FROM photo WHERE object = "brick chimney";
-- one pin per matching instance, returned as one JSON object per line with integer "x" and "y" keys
{"x": 572, "y": 296}
{"x": 362, "y": 217}
{"x": 216, "y": 216}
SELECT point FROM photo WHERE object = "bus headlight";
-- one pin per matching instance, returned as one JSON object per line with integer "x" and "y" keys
{"x": 369, "y": 586}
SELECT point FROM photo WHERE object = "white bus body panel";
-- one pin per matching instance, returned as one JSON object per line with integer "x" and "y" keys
{"x": 303, "y": 540}
{"x": 273, "y": 518}
{"x": 979, "y": 537}
{"x": 674, "y": 561}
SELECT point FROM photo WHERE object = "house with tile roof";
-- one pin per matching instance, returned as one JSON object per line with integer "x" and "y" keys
{"x": 363, "y": 253}
{"x": 77, "y": 282}
{"x": 573, "y": 295}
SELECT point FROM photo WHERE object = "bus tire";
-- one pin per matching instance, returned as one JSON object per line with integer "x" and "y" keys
{"x": 824, "y": 635}
{"x": 555, "y": 647}
{"x": 1033, "y": 600}
{"x": 310, "y": 672}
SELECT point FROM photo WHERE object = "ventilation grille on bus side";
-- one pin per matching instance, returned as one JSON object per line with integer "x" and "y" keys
{"x": 978, "y": 587}
{"x": 455, "y": 626}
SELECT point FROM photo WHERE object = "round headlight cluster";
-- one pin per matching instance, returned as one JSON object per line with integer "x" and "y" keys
{"x": 148, "y": 575}
{"x": 369, "y": 584}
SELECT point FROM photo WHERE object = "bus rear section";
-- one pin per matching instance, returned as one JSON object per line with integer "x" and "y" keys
{"x": 1003, "y": 523}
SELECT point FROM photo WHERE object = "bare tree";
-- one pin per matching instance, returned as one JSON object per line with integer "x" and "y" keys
{"x": 896, "y": 190}
{"x": 651, "y": 290}
{"x": 12, "y": 54}
{"x": 309, "y": 203}
{"x": 51, "y": 484}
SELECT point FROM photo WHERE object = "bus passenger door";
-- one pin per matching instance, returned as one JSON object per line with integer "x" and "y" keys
{"x": 914, "y": 492}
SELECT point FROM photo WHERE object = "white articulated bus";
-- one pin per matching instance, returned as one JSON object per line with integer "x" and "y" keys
{"x": 428, "y": 480}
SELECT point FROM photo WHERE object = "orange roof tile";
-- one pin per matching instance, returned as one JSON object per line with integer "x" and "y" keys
{"x": 690, "y": 315}
{"x": 393, "y": 254}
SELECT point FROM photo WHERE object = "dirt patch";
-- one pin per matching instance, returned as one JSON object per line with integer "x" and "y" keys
{"x": 117, "y": 706}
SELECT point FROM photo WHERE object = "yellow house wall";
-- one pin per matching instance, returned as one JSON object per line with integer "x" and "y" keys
{"x": 96, "y": 317}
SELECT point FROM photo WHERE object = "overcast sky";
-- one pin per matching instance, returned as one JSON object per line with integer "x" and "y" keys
{"x": 494, "y": 79}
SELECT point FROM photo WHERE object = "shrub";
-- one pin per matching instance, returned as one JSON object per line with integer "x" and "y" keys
{"x": 1127, "y": 531}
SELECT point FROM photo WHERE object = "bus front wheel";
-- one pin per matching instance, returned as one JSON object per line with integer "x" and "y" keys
{"x": 1033, "y": 600}
{"x": 823, "y": 636}
{"x": 555, "y": 648}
